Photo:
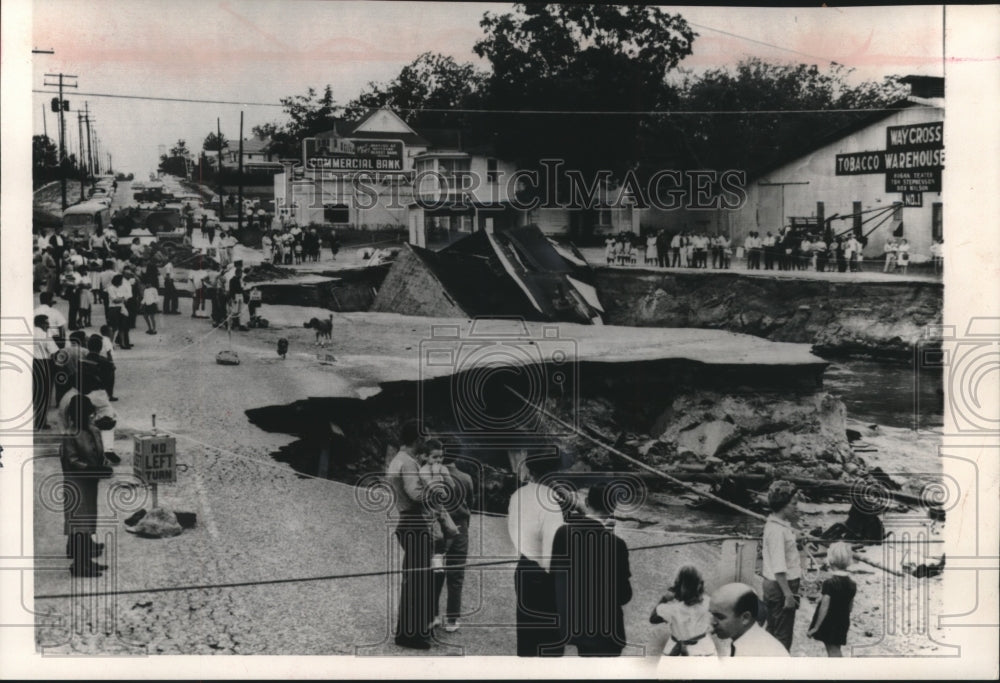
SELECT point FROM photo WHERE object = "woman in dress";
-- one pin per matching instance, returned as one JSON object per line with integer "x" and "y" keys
{"x": 903, "y": 255}
{"x": 150, "y": 305}
{"x": 652, "y": 255}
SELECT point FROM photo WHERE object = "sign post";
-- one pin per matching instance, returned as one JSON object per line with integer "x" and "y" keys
{"x": 155, "y": 460}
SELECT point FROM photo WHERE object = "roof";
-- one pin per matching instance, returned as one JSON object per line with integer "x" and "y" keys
{"x": 336, "y": 132}
{"x": 410, "y": 139}
{"x": 85, "y": 208}
{"x": 810, "y": 146}
{"x": 924, "y": 86}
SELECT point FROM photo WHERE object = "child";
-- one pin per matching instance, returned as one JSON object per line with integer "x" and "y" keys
{"x": 833, "y": 614}
{"x": 86, "y": 299}
{"x": 435, "y": 476}
{"x": 685, "y": 610}
{"x": 150, "y": 299}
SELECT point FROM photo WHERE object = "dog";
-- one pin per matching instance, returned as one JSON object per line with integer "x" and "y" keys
{"x": 324, "y": 329}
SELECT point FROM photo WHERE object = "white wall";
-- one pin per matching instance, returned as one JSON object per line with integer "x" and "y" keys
{"x": 837, "y": 193}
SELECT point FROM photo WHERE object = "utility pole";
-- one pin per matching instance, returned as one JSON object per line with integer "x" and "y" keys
{"x": 218, "y": 176}
{"x": 45, "y": 122}
{"x": 239, "y": 215}
{"x": 90, "y": 156}
{"x": 79, "y": 125}
{"x": 63, "y": 106}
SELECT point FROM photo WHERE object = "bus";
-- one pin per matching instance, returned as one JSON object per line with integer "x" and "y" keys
{"x": 86, "y": 218}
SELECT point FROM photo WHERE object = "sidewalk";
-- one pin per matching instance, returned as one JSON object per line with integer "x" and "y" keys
{"x": 872, "y": 271}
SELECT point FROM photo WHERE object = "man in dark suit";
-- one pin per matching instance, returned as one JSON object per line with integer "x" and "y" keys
{"x": 591, "y": 569}
{"x": 662, "y": 245}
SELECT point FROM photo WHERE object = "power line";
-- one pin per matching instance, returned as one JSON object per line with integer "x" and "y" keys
{"x": 168, "y": 99}
{"x": 761, "y": 42}
{"x": 560, "y": 112}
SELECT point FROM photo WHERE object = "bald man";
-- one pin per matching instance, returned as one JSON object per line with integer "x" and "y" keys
{"x": 734, "y": 609}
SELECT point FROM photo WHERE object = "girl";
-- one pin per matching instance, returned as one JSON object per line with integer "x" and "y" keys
{"x": 150, "y": 299}
{"x": 782, "y": 565}
{"x": 833, "y": 613}
{"x": 86, "y": 298}
{"x": 685, "y": 610}
{"x": 435, "y": 476}
{"x": 609, "y": 250}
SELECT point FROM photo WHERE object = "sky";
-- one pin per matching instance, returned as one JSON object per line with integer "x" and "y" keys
{"x": 257, "y": 51}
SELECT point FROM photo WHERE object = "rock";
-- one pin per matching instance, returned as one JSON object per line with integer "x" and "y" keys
{"x": 707, "y": 438}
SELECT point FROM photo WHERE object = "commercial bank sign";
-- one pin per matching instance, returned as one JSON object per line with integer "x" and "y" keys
{"x": 354, "y": 155}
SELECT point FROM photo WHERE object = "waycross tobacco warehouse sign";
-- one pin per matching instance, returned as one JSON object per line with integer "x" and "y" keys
{"x": 911, "y": 161}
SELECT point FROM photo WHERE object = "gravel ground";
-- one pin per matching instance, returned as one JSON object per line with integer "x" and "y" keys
{"x": 258, "y": 520}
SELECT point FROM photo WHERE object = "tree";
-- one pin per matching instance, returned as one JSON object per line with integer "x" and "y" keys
{"x": 180, "y": 150}
{"x": 599, "y": 66}
{"x": 177, "y": 162}
{"x": 767, "y": 111}
{"x": 431, "y": 82}
{"x": 215, "y": 142}
{"x": 44, "y": 153}
{"x": 309, "y": 114}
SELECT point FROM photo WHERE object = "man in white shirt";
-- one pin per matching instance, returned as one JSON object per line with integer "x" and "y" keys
{"x": 56, "y": 321}
{"x": 533, "y": 518}
{"x": 41, "y": 374}
{"x": 734, "y": 609}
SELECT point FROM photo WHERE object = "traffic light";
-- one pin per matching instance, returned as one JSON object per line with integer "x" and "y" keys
{"x": 65, "y": 105}
{"x": 56, "y": 107}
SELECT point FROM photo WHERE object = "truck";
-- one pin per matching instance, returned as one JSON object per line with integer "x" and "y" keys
{"x": 155, "y": 221}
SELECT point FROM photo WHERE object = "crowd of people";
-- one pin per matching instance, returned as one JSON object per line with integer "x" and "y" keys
{"x": 785, "y": 250}
{"x": 285, "y": 243}
{"x": 686, "y": 249}
{"x": 788, "y": 250}
{"x": 573, "y": 577}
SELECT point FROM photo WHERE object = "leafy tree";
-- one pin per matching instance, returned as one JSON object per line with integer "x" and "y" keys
{"x": 767, "y": 111}
{"x": 309, "y": 114}
{"x": 44, "y": 152}
{"x": 180, "y": 150}
{"x": 590, "y": 62}
{"x": 176, "y": 163}
{"x": 431, "y": 81}
{"x": 215, "y": 142}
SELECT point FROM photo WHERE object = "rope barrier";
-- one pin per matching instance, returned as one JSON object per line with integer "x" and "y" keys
{"x": 664, "y": 475}
{"x": 327, "y": 577}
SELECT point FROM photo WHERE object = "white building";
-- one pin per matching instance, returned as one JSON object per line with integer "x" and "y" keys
{"x": 383, "y": 173}
{"x": 883, "y": 175}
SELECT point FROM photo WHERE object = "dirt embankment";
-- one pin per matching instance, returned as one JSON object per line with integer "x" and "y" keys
{"x": 865, "y": 318}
